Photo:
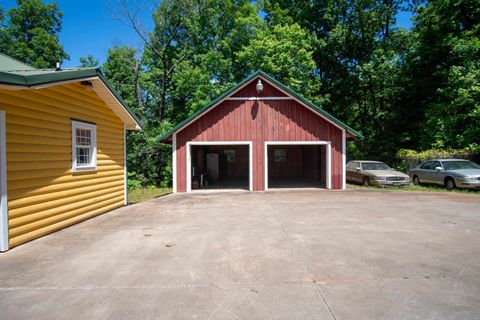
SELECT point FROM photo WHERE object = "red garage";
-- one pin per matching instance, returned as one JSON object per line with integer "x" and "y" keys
{"x": 259, "y": 135}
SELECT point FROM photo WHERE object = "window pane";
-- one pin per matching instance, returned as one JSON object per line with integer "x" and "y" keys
{"x": 83, "y": 137}
{"x": 280, "y": 155}
{"x": 83, "y": 156}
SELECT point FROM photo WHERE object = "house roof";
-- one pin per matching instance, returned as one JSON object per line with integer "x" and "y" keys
{"x": 8, "y": 63}
{"x": 232, "y": 90}
{"x": 16, "y": 74}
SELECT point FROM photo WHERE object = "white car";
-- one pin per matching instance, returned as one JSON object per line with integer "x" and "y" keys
{"x": 375, "y": 173}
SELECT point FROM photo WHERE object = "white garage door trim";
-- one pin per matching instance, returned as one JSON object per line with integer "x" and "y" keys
{"x": 210, "y": 143}
{"x": 3, "y": 186}
{"x": 328, "y": 156}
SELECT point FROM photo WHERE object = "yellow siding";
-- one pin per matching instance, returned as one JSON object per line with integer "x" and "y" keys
{"x": 44, "y": 195}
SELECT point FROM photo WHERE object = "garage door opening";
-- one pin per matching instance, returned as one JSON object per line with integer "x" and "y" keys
{"x": 297, "y": 165}
{"x": 220, "y": 166}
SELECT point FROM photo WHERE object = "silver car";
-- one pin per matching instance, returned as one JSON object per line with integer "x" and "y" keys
{"x": 375, "y": 173}
{"x": 451, "y": 173}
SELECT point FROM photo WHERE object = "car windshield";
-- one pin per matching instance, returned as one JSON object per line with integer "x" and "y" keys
{"x": 459, "y": 165}
{"x": 375, "y": 166}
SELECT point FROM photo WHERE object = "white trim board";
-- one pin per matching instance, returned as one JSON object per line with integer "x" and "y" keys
{"x": 257, "y": 98}
{"x": 3, "y": 186}
{"x": 328, "y": 162}
{"x": 344, "y": 160}
{"x": 212, "y": 143}
{"x": 174, "y": 162}
{"x": 125, "y": 172}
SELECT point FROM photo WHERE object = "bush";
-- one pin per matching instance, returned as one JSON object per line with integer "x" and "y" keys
{"x": 149, "y": 162}
{"x": 409, "y": 159}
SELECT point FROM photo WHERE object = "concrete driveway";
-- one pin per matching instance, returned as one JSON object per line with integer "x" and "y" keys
{"x": 274, "y": 255}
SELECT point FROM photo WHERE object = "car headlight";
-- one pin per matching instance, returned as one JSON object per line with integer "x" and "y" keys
{"x": 468, "y": 179}
{"x": 380, "y": 178}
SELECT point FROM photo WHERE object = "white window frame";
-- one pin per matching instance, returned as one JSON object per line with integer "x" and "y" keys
{"x": 93, "y": 128}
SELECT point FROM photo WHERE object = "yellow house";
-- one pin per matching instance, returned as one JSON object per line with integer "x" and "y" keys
{"x": 62, "y": 149}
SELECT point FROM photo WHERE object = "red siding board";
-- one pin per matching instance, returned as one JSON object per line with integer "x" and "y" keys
{"x": 260, "y": 121}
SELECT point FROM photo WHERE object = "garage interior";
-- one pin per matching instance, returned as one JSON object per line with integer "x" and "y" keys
{"x": 220, "y": 167}
{"x": 296, "y": 166}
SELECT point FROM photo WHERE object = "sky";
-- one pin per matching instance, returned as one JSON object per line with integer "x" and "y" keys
{"x": 92, "y": 27}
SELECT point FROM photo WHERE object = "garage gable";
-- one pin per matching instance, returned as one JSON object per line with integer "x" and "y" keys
{"x": 272, "y": 89}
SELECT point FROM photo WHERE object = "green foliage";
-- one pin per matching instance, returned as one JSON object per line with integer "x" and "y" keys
{"x": 89, "y": 62}
{"x": 190, "y": 56}
{"x": 136, "y": 195}
{"x": 148, "y": 161}
{"x": 285, "y": 52}
{"x": 30, "y": 33}
{"x": 119, "y": 69}
{"x": 358, "y": 66}
{"x": 418, "y": 188}
{"x": 445, "y": 69}
{"x": 409, "y": 159}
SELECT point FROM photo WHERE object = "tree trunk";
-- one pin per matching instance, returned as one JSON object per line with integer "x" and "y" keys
{"x": 138, "y": 89}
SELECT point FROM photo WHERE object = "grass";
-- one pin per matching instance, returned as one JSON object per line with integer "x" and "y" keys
{"x": 148, "y": 193}
{"x": 423, "y": 188}
{"x": 144, "y": 194}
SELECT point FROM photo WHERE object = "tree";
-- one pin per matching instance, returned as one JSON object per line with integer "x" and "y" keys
{"x": 285, "y": 52}
{"x": 148, "y": 161}
{"x": 197, "y": 37}
{"x": 359, "y": 65}
{"x": 445, "y": 68}
{"x": 120, "y": 68}
{"x": 89, "y": 62}
{"x": 212, "y": 64}
{"x": 30, "y": 33}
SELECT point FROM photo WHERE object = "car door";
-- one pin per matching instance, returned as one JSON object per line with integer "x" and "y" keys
{"x": 436, "y": 176}
{"x": 352, "y": 171}
{"x": 357, "y": 172}
{"x": 423, "y": 171}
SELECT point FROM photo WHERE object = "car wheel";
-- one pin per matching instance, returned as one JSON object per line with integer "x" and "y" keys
{"x": 416, "y": 181}
{"x": 366, "y": 181}
{"x": 450, "y": 184}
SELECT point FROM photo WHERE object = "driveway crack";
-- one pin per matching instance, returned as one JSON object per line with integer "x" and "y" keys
{"x": 305, "y": 268}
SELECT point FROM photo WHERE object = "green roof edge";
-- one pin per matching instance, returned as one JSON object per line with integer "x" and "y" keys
{"x": 313, "y": 105}
{"x": 7, "y": 78}
{"x": 276, "y": 82}
{"x": 117, "y": 96}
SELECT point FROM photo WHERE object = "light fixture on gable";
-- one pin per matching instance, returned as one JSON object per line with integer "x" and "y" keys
{"x": 259, "y": 86}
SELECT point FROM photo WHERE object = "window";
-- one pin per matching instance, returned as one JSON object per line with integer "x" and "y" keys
{"x": 436, "y": 164}
{"x": 427, "y": 165}
{"x": 375, "y": 166}
{"x": 280, "y": 155}
{"x": 84, "y": 146}
{"x": 460, "y": 165}
{"x": 230, "y": 155}
{"x": 353, "y": 165}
